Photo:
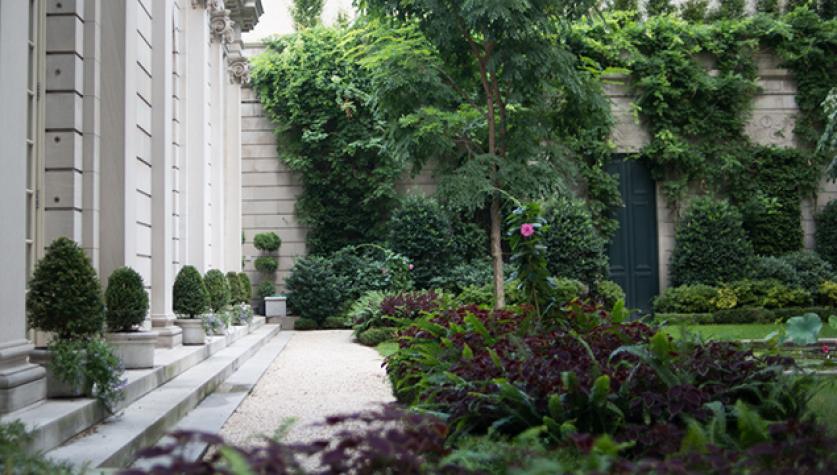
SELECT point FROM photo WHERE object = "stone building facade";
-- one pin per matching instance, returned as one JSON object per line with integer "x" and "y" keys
{"x": 121, "y": 129}
{"x": 270, "y": 189}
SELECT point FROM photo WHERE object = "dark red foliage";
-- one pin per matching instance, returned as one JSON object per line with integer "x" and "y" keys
{"x": 409, "y": 305}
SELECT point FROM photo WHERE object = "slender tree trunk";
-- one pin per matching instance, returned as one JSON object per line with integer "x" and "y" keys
{"x": 497, "y": 252}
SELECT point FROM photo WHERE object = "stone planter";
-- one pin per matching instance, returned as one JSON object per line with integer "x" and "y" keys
{"x": 275, "y": 306}
{"x": 193, "y": 332}
{"x": 55, "y": 387}
{"x": 134, "y": 349}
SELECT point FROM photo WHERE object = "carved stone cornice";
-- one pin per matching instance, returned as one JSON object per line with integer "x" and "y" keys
{"x": 220, "y": 23}
{"x": 245, "y": 13}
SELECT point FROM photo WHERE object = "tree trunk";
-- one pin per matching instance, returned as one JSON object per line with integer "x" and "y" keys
{"x": 497, "y": 252}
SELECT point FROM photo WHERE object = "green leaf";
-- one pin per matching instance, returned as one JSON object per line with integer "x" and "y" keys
{"x": 695, "y": 439}
{"x": 238, "y": 464}
{"x": 752, "y": 429}
{"x": 467, "y": 353}
{"x": 660, "y": 345}
{"x": 601, "y": 388}
{"x": 555, "y": 407}
{"x": 804, "y": 329}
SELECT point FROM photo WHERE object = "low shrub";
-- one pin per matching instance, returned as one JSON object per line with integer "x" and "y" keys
{"x": 575, "y": 249}
{"x": 265, "y": 288}
{"x": 609, "y": 292}
{"x": 315, "y": 290}
{"x": 742, "y": 315}
{"x": 306, "y": 324}
{"x": 246, "y": 287}
{"x": 394, "y": 309}
{"x": 566, "y": 290}
{"x": 218, "y": 289}
{"x": 367, "y": 268}
{"x": 811, "y": 269}
{"x": 366, "y": 308}
{"x": 13, "y": 460}
{"x": 376, "y": 336}
{"x": 711, "y": 245}
{"x": 126, "y": 300}
{"x": 64, "y": 295}
{"x": 826, "y": 233}
{"x": 266, "y": 264}
{"x": 234, "y": 284}
{"x": 474, "y": 274}
{"x": 190, "y": 297}
{"x": 476, "y": 295}
{"x": 774, "y": 268}
{"x": 828, "y": 293}
{"x": 695, "y": 298}
{"x": 337, "y": 323}
{"x": 267, "y": 242}
{"x": 470, "y": 242}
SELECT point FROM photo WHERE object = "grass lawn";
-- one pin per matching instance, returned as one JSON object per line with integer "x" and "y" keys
{"x": 824, "y": 405}
{"x": 735, "y": 332}
{"x": 387, "y": 348}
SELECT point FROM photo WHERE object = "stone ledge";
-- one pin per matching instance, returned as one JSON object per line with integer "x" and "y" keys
{"x": 53, "y": 421}
{"x": 114, "y": 442}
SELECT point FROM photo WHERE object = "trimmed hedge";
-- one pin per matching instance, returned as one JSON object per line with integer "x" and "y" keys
{"x": 742, "y": 315}
{"x": 304, "y": 324}
{"x": 267, "y": 242}
{"x": 377, "y": 335}
{"x": 826, "y": 234}
{"x": 575, "y": 250}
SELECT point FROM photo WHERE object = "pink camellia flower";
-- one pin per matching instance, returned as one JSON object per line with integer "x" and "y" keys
{"x": 527, "y": 230}
{"x": 826, "y": 349}
{"x": 411, "y": 267}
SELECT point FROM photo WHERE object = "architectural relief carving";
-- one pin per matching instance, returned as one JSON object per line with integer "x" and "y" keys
{"x": 220, "y": 23}
{"x": 239, "y": 68}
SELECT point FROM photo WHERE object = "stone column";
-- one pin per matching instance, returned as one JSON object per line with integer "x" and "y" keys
{"x": 162, "y": 272}
{"x": 237, "y": 68}
{"x": 21, "y": 383}
{"x": 92, "y": 129}
{"x": 119, "y": 136}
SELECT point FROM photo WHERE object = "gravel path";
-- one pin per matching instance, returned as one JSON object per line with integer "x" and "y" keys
{"x": 318, "y": 374}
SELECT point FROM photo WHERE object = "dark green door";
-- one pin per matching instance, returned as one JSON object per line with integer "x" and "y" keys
{"x": 633, "y": 251}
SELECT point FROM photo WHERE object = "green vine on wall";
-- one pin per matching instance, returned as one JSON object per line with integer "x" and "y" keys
{"x": 695, "y": 84}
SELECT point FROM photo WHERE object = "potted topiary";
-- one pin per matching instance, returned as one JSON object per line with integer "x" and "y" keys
{"x": 242, "y": 312}
{"x": 267, "y": 264}
{"x": 65, "y": 299}
{"x": 219, "y": 299}
{"x": 126, "y": 303}
{"x": 190, "y": 302}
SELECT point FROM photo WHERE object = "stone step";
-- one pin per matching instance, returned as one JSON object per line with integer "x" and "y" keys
{"x": 212, "y": 413}
{"x": 114, "y": 442}
{"x": 54, "y": 421}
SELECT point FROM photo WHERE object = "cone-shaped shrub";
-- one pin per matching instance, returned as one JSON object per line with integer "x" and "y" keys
{"x": 125, "y": 299}
{"x": 268, "y": 242}
{"x": 234, "y": 283}
{"x": 246, "y": 287}
{"x": 218, "y": 288}
{"x": 65, "y": 296}
{"x": 190, "y": 296}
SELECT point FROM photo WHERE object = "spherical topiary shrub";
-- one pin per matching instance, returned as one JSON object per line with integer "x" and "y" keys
{"x": 266, "y": 264}
{"x": 218, "y": 289}
{"x": 265, "y": 288}
{"x": 246, "y": 287}
{"x": 421, "y": 231}
{"x": 811, "y": 269}
{"x": 267, "y": 242}
{"x": 65, "y": 296}
{"x": 710, "y": 245}
{"x": 609, "y": 292}
{"x": 574, "y": 248}
{"x": 315, "y": 290}
{"x": 234, "y": 284}
{"x": 190, "y": 297}
{"x": 304, "y": 324}
{"x": 826, "y": 234}
{"x": 775, "y": 268}
{"x": 126, "y": 300}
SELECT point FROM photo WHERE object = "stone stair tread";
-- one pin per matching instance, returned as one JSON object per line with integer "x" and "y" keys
{"x": 54, "y": 421}
{"x": 112, "y": 442}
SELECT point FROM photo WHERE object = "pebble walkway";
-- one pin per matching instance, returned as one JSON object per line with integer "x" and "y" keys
{"x": 319, "y": 373}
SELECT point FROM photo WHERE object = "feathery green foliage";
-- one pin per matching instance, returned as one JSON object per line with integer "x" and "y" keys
{"x": 306, "y": 13}
{"x": 246, "y": 287}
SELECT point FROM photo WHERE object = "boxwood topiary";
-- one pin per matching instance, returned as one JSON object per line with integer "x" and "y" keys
{"x": 267, "y": 242}
{"x": 65, "y": 296}
{"x": 266, "y": 288}
{"x": 826, "y": 233}
{"x": 315, "y": 290}
{"x": 609, "y": 292}
{"x": 811, "y": 269}
{"x": 711, "y": 245}
{"x": 246, "y": 287}
{"x": 234, "y": 284}
{"x": 126, "y": 300}
{"x": 190, "y": 297}
{"x": 574, "y": 247}
{"x": 266, "y": 264}
{"x": 218, "y": 289}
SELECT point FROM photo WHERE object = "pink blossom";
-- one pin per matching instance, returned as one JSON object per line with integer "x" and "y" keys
{"x": 411, "y": 267}
{"x": 527, "y": 230}
{"x": 826, "y": 349}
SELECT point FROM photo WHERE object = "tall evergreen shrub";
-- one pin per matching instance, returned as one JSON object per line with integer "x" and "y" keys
{"x": 246, "y": 287}
{"x": 711, "y": 245}
{"x": 234, "y": 284}
{"x": 218, "y": 289}
{"x": 65, "y": 296}
{"x": 826, "y": 234}
{"x": 190, "y": 297}
{"x": 575, "y": 249}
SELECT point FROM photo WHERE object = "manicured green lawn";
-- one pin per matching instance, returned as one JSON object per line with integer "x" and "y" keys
{"x": 735, "y": 332}
{"x": 387, "y": 348}
{"x": 824, "y": 405}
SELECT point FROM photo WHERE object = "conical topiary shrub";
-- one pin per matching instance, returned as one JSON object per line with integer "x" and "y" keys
{"x": 234, "y": 283}
{"x": 190, "y": 296}
{"x": 126, "y": 300}
{"x": 246, "y": 287}
{"x": 65, "y": 296}
{"x": 218, "y": 288}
